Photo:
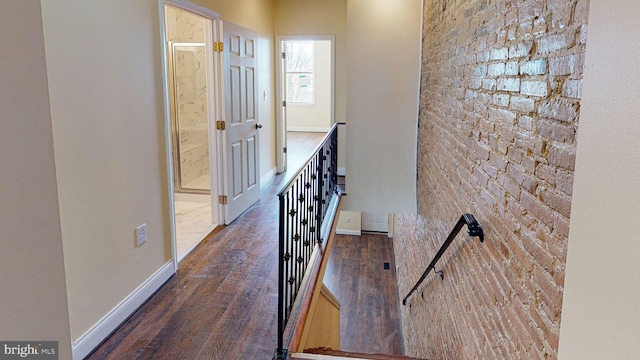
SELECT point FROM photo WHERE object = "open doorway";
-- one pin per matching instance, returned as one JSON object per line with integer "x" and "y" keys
{"x": 211, "y": 99}
{"x": 191, "y": 105}
{"x": 306, "y": 95}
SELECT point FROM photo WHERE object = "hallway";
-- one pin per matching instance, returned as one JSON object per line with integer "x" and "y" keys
{"x": 223, "y": 300}
{"x": 222, "y": 303}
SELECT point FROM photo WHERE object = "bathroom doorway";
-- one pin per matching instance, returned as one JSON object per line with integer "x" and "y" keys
{"x": 191, "y": 106}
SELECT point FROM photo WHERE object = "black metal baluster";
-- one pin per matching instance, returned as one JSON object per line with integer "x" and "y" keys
{"x": 308, "y": 205}
{"x": 296, "y": 235}
{"x": 289, "y": 252}
{"x": 286, "y": 256}
{"x": 314, "y": 194}
{"x": 294, "y": 245}
{"x": 281, "y": 265}
{"x": 303, "y": 204}
{"x": 303, "y": 211}
{"x": 300, "y": 259}
{"x": 320, "y": 195}
{"x": 334, "y": 160}
{"x": 303, "y": 215}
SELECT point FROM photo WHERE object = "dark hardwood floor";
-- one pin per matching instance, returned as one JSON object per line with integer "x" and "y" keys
{"x": 299, "y": 146}
{"x": 222, "y": 303}
{"x": 368, "y": 295}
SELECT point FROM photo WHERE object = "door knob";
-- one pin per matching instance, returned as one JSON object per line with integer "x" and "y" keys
{"x": 258, "y": 126}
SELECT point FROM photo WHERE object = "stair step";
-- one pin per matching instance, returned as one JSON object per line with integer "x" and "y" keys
{"x": 354, "y": 355}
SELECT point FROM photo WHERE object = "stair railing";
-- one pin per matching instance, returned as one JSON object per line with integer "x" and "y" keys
{"x": 304, "y": 202}
{"x": 474, "y": 229}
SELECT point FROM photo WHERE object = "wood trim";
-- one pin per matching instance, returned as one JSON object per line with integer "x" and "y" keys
{"x": 193, "y": 8}
{"x": 314, "y": 298}
{"x": 317, "y": 287}
{"x": 322, "y": 327}
{"x": 306, "y": 356}
{"x": 308, "y": 129}
{"x": 315, "y": 271}
{"x": 329, "y": 296}
{"x": 303, "y": 304}
{"x": 322, "y": 353}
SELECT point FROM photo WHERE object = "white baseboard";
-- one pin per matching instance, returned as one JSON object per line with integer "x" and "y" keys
{"x": 348, "y": 232}
{"x": 84, "y": 345}
{"x": 308, "y": 129}
{"x": 341, "y": 171}
{"x": 266, "y": 179}
{"x": 349, "y": 223}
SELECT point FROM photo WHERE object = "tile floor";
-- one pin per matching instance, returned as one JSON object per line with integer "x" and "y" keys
{"x": 193, "y": 221}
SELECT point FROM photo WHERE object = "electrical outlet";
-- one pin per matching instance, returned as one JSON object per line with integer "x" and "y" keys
{"x": 141, "y": 234}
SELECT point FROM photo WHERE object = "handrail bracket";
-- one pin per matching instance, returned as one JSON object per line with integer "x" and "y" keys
{"x": 474, "y": 229}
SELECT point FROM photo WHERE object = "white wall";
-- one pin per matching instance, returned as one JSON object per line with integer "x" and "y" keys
{"x": 33, "y": 293}
{"x": 327, "y": 17}
{"x": 105, "y": 86}
{"x": 383, "y": 75}
{"x": 600, "y": 314}
{"x": 316, "y": 116}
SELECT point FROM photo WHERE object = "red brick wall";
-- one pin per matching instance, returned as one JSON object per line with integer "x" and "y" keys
{"x": 500, "y": 99}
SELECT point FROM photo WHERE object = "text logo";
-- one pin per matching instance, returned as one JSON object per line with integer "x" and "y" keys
{"x": 38, "y": 350}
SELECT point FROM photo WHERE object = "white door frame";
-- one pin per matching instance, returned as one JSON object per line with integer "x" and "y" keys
{"x": 213, "y": 94}
{"x": 281, "y": 126}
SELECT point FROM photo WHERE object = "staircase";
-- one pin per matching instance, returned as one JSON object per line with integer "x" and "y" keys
{"x": 308, "y": 312}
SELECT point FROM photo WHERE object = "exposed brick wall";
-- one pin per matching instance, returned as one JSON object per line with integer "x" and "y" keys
{"x": 500, "y": 100}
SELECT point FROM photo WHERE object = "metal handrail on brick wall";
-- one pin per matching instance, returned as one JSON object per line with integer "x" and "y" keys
{"x": 304, "y": 202}
{"x": 474, "y": 229}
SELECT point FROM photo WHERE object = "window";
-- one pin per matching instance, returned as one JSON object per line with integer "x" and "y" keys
{"x": 300, "y": 69}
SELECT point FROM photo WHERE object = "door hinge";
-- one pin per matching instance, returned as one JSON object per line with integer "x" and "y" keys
{"x": 218, "y": 46}
{"x": 222, "y": 199}
{"x": 284, "y": 103}
{"x": 284, "y": 149}
{"x": 221, "y": 125}
{"x": 284, "y": 55}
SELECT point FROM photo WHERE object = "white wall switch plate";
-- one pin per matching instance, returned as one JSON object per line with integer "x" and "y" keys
{"x": 141, "y": 234}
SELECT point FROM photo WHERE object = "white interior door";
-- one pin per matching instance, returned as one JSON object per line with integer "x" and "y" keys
{"x": 241, "y": 123}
